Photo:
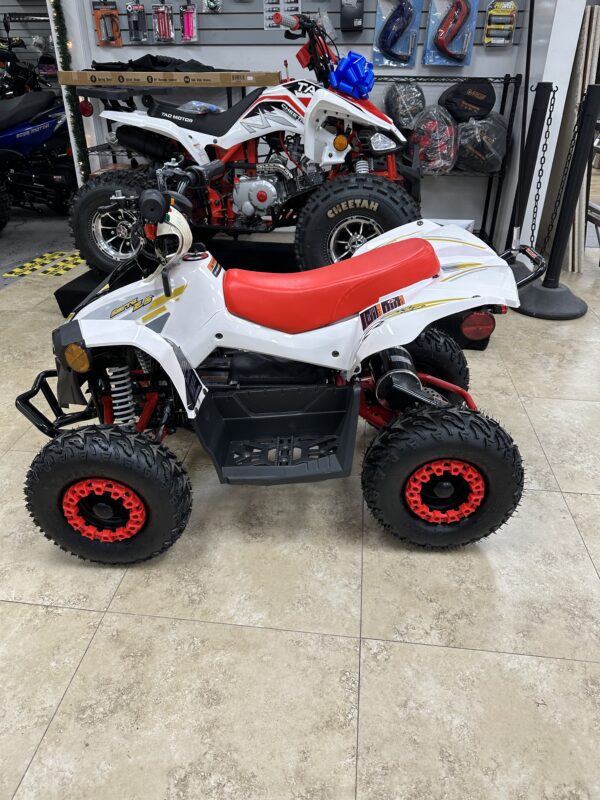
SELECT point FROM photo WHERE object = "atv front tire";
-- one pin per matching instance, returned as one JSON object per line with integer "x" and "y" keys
{"x": 4, "y": 206}
{"x": 343, "y": 214}
{"x": 108, "y": 495}
{"x": 443, "y": 477}
{"x": 106, "y": 241}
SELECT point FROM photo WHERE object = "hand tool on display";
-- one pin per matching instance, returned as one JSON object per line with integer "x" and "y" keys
{"x": 450, "y": 27}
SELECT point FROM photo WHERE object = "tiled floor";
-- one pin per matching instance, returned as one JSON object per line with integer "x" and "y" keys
{"x": 287, "y": 649}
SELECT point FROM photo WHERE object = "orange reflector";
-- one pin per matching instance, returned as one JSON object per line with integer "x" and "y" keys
{"x": 150, "y": 229}
{"x": 77, "y": 358}
{"x": 340, "y": 142}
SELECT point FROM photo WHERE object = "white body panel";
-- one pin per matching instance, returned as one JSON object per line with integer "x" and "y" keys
{"x": 195, "y": 318}
{"x": 297, "y": 107}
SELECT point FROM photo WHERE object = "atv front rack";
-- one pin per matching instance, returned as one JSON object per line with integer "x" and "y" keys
{"x": 47, "y": 426}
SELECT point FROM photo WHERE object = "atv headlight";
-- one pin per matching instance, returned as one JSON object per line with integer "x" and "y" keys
{"x": 380, "y": 143}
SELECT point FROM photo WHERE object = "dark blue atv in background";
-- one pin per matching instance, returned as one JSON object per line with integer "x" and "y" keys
{"x": 36, "y": 163}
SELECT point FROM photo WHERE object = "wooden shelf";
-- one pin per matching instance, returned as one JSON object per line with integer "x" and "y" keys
{"x": 181, "y": 80}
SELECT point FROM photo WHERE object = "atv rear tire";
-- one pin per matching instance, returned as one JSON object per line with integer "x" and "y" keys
{"x": 85, "y": 219}
{"x": 436, "y": 353}
{"x": 353, "y": 209}
{"x": 442, "y": 478}
{"x": 4, "y": 206}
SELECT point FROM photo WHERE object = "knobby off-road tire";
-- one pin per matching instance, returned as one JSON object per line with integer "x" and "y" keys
{"x": 424, "y": 438}
{"x": 4, "y": 206}
{"x": 149, "y": 472}
{"x": 339, "y": 207}
{"x": 84, "y": 211}
{"x": 437, "y": 354}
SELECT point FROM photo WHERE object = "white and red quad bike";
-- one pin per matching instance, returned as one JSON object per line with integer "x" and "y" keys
{"x": 296, "y": 154}
{"x": 272, "y": 372}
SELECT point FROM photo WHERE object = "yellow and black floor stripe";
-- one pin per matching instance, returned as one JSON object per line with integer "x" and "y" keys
{"x": 57, "y": 262}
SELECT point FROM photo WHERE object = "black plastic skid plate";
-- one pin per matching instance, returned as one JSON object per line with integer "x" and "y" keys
{"x": 280, "y": 435}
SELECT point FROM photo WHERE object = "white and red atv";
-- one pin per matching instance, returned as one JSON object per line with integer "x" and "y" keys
{"x": 300, "y": 153}
{"x": 272, "y": 373}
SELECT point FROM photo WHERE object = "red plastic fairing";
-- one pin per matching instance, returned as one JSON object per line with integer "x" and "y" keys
{"x": 299, "y": 302}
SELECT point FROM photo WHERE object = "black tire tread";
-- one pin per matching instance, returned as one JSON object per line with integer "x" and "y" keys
{"x": 413, "y": 430}
{"x": 334, "y": 191}
{"x": 445, "y": 350}
{"x": 105, "y": 439}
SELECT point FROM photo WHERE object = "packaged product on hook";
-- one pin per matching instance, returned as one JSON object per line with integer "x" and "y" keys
{"x": 106, "y": 22}
{"x": 396, "y": 37}
{"x": 162, "y": 15}
{"x": 500, "y": 23}
{"x": 136, "y": 22}
{"x": 436, "y": 135}
{"x": 450, "y": 33}
{"x": 189, "y": 28}
{"x": 211, "y": 7}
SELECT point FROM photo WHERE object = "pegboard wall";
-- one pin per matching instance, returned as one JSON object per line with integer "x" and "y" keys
{"x": 236, "y": 39}
{"x": 241, "y": 24}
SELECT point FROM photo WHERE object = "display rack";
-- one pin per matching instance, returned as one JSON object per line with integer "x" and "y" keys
{"x": 507, "y": 106}
{"x": 169, "y": 80}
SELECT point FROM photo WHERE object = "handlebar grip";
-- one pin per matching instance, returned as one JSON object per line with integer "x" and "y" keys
{"x": 290, "y": 21}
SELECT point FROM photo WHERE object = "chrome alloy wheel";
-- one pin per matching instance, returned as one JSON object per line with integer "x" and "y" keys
{"x": 114, "y": 234}
{"x": 352, "y": 232}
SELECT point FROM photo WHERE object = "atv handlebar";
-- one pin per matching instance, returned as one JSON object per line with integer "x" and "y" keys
{"x": 290, "y": 21}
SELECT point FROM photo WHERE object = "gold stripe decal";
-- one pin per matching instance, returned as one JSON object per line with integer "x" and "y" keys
{"x": 156, "y": 313}
{"x": 460, "y": 275}
{"x": 454, "y": 241}
{"x": 162, "y": 299}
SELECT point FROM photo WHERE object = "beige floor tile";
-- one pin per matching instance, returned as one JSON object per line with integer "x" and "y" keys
{"x": 12, "y": 424}
{"x": 40, "y": 649}
{"x": 544, "y": 367}
{"x": 512, "y": 416}
{"x": 587, "y": 285}
{"x": 280, "y": 556}
{"x": 24, "y": 294}
{"x": 489, "y": 373}
{"x": 518, "y": 327}
{"x": 585, "y": 509}
{"x": 569, "y": 432}
{"x": 443, "y": 724}
{"x": 34, "y": 570}
{"x": 167, "y": 710}
{"x": 529, "y": 589}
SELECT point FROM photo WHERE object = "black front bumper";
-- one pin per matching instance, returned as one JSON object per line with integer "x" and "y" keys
{"x": 48, "y": 426}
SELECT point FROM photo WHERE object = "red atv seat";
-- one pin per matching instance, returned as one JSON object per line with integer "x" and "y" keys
{"x": 304, "y": 301}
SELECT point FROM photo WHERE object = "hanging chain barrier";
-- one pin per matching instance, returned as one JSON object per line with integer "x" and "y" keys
{"x": 563, "y": 180}
{"x": 542, "y": 168}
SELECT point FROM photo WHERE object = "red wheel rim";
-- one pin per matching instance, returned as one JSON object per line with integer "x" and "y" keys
{"x": 445, "y": 491}
{"x": 104, "y": 510}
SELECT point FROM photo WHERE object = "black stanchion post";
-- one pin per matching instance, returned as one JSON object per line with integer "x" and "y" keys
{"x": 535, "y": 131}
{"x": 551, "y": 299}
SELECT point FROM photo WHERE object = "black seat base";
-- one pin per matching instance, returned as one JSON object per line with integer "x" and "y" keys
{"x": 21, "y": 109}
{"x": 210, "y": 124}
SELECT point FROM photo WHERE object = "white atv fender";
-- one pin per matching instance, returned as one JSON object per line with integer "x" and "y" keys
{"x": 318, "y": 142}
